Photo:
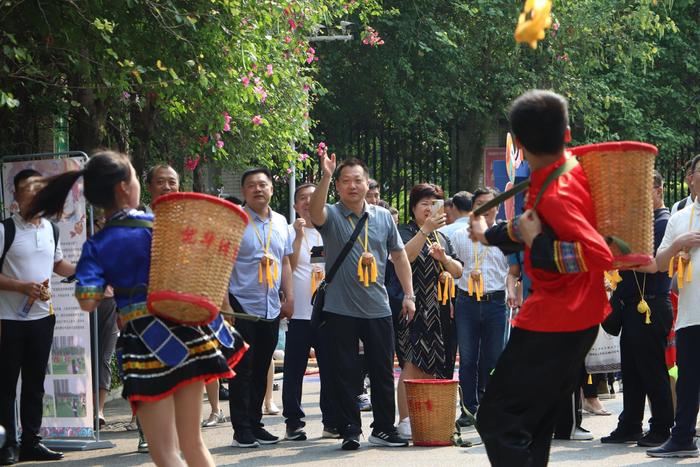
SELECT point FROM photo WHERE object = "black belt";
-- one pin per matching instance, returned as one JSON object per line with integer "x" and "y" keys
{"x": 487, "y": 297}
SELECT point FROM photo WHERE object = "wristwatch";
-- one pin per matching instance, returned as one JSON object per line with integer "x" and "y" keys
{"x": 409, "y": 297}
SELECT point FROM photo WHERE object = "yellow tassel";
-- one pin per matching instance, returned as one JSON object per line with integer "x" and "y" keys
{"x": 648, "y": 320}
{"x": 670, "y": 267}
{"x": 374, "y": 269}
{"x": 366, "y": 276}
{"x": 360, "y": 270}
{"x": 439, "y": 287}
{"x": 680, "y": 273}
{"x": 277, "y": 271}
{"x": 452, "y": 289}
{"x": 270, "y": 280}
{"x": 470, "y": 286}
{"x": 590, "y": 379}
{"x": 260, "y": 274}
{"x": 313, "y": 282}
{"x": 689, "y": 272}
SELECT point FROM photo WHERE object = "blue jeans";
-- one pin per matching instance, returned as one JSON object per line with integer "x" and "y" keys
{"x": 481, "y": 328}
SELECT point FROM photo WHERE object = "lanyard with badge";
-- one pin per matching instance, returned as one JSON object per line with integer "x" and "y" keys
{"x": 268, "y": 262}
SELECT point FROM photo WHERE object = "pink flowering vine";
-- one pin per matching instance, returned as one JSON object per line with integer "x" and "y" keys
{"x": 292, "y": 24}
{"x": 191, "y": 163}
{"x": 311, "y": 55}
{"x": 269, "y": 71}
{"x": 245, "y": 80}
{"x": 257, "y": 120}
{"x": 303, "y": 156}
{"x": 371, "y": 37}
{"x": 227, "y": 122}
{"x": 321, "y": 148}
{"x": 260, "y": 91}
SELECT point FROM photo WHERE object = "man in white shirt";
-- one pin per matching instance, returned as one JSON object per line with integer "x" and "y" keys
{"x": 481, "y": 323}
{"x": 28, "y": 320}
{"x": 308, "y": 266}
{"x": 461, "y": 206}
{"x": 681, "y": 241}
{"x": 678, "y": 205}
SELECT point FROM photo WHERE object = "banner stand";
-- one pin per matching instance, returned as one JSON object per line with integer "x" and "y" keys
{"x": 87, "y": 443}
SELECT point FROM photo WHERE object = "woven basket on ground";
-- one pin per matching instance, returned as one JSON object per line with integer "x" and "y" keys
{"x": 620, "y": 175}
{"x": 431, "y": 408}
{"x": 195, "y": 243}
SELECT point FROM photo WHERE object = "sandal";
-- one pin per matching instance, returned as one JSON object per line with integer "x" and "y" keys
{"x": 589, "y": 409}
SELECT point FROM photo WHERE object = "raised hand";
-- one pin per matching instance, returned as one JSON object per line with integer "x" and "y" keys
{"x": 433, "y": 223}
{"x": 299, "y": 225}
{"x": 327, "y": 163}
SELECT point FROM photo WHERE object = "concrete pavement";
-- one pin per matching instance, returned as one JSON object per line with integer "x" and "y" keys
{"x": 318, "y": 452}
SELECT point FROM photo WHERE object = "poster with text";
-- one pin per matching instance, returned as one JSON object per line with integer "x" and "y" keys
{"x": 68, "y": 399}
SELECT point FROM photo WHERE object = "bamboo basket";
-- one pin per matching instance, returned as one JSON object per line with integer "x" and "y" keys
{"x": 195, "y": 243}
{"x": 620, "y": 175}
{"x": 431, "y": 408}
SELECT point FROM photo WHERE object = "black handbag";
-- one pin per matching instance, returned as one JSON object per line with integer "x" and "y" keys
{"x": 319, "y": 297}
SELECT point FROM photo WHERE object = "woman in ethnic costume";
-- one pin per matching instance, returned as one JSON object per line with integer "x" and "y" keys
{"x": 425, "y": 346}
{"x": 165, "y": 365}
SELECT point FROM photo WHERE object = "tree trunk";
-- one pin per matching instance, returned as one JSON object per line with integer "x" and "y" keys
{"x": 469, "y": 149}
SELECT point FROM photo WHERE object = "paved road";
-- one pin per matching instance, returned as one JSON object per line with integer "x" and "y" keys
{"x": 327, "y": 452}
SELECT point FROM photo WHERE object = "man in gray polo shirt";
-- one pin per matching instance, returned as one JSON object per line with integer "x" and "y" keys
{"x": 360, "y": 310}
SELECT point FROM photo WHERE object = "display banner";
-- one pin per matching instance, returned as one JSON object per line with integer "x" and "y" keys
{"x": 68, "y": 399}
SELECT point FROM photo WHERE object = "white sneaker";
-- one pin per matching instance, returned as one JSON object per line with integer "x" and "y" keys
{"x": 404, "y": 428}
{"x": 581, "y": 434}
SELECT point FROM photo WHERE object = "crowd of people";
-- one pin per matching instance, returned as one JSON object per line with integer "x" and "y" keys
{"x": 517, "y": 303}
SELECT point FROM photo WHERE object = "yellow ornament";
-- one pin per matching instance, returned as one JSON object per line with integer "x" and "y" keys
{"x": 535, "y": 18}
{"x": 643, "y": 307}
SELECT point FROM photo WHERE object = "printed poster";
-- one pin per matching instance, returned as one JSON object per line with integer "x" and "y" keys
{"x": 68, "y": 398}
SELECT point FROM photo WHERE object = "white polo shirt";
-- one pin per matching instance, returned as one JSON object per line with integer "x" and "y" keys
{"x": 302, "y": 273}
{"x": 689, "y": 295}
{"x": 30, "y": 258}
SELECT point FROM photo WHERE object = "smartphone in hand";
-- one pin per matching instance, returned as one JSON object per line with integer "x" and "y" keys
{"x": 438, "y": 207}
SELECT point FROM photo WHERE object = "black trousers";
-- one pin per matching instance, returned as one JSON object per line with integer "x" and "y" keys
{"x": 300, "y": 338}
{"x": 247, "y": 388}
{"x": 340, "y": 335}
{"x": 25, "y": 347}
{"x": 569, "y": 416}
{"x": 535, "y": 372}
{"x": 688, "y": 385}
{"x": 644, "y": 372}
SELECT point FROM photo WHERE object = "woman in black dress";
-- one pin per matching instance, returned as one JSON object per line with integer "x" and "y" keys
{"x": 423, "y": 345}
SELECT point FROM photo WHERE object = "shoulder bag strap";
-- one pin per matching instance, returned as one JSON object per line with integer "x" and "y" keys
{"x": 346, "y": 249}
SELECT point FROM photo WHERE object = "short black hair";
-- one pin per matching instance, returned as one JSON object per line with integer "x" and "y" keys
{"x": 694, "y": 163}
{"x": 351, "y": 162}
{"x": 373, "y": 184}
{"x": 22, "y": 175}
{"x": 658, "y": 179}
{"x": 256, "y": 170}
{"x": 539, "y": 120}
{"x": 301, "y": 187}
{"x": 462, "y": 200}
{"x": 481, "y": 191}
{"x": 152, "y": 171}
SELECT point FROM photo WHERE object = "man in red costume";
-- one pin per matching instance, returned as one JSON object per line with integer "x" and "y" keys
{"x": 565, "y": 257}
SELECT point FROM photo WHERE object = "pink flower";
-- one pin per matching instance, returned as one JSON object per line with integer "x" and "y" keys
{"x": 245, "y": 80}
{"x": 555, "y": 26}
{"x": 257, "y": 80}
{"x": 292, "y": 24}
{"x": 191, "y": 163}
{"x": 303, "y": 156}
{"x": 306, "y": 87}
{"x": 220, "y": 144}
{"x": 310, "y": 52}
{"x": 321, "y": 148}
{"x": 227, "y": 127}
{"x": 227, "y": 122}
{"x": 287, "y": 39}
{"x": 289, "y": 170}
{"x": 260, "y": 91}
{"x": 269, "y": 70}
{"x": 257, "y": 120}
{"x": 254, "y": 67}
{"x": 217, "y": 136}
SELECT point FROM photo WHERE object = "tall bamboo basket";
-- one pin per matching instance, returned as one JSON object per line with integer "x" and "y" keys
{"x": 431, "y": 408}
{"x": 195, "y": 244}
{"x": 620, "y": 175}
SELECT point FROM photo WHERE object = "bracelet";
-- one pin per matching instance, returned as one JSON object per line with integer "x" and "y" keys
{"x": 409, "y": 297}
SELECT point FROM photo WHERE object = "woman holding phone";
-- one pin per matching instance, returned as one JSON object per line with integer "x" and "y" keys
{"x": 425, "y": 346}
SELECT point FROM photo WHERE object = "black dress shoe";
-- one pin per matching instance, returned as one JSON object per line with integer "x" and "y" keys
{"x": 38, "y": 452}
{"x": 621, "y": 437}
{"x": 8, "y": 455}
